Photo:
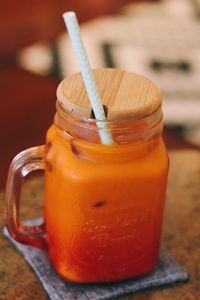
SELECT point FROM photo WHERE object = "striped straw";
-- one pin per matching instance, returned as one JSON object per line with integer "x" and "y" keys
{"x": 72, "y": 25}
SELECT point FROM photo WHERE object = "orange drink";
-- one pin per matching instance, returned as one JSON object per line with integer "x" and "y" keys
{"x": 103, "y": 206}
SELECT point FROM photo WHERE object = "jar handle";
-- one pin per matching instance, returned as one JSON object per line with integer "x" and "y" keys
{"x": 24, "y": 163}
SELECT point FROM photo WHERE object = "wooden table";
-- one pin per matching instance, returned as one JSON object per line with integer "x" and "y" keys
{"x": 181, "y": 235}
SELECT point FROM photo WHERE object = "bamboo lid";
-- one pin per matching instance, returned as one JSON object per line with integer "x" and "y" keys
{"x": 123, "y": 94}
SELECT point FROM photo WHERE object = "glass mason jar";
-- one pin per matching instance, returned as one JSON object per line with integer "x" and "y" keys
{"x": 103, "y": 204}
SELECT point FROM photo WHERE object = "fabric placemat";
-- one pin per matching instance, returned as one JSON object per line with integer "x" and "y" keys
{"x": 166, "y": 272}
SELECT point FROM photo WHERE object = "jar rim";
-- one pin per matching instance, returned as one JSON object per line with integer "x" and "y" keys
{"x": 77, "y": 117}
{"x": 127, "y": 130}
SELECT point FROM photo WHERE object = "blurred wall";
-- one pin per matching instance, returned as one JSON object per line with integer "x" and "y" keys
{"x": 27, "y": 21}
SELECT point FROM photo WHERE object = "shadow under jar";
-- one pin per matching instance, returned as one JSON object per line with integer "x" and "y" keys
{"x": 103, "y": 204}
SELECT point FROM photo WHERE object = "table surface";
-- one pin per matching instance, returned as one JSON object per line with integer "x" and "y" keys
{"x": 181, "y": 235}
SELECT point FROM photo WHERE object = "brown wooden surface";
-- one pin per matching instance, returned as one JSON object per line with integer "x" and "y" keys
{"x": 124, "y": 94}
{"x": 180, "y": 236}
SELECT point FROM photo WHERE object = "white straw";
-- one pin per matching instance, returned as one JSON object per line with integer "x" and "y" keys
{"x": 72, "y": 25}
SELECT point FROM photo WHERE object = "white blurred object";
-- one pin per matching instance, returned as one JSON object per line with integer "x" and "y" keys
{"x": 37, "y": 58}
{"x": 179, "y": 8}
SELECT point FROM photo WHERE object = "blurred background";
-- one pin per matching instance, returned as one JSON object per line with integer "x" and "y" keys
{"x": 158, "y": 39}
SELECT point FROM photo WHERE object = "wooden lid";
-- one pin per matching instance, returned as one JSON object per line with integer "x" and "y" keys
{"x": 125, "y": 94}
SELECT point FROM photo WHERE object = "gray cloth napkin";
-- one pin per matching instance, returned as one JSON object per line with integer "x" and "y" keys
{"x": 166, "y": 272}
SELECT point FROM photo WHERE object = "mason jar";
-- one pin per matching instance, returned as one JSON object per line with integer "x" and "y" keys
{"x": 103, "y": 203}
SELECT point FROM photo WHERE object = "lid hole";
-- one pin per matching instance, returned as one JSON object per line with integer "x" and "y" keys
{"x": 105, "y": 108}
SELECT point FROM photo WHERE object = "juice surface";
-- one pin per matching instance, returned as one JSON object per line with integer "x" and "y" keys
{"x": 103, "y": 207}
